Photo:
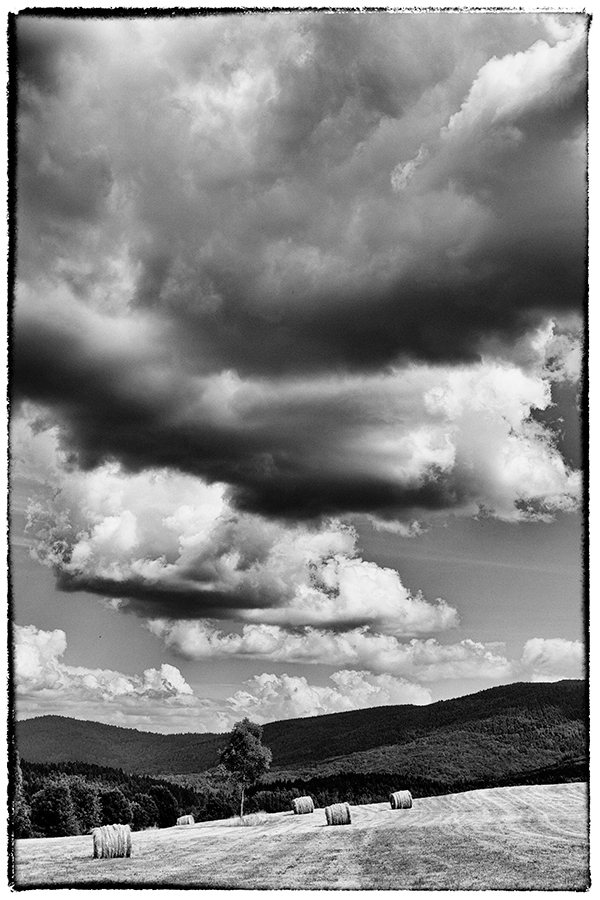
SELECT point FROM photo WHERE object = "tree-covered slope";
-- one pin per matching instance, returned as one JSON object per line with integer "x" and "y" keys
{"x": 50, "y": 739}
{"x": 510, "y": 711}
{"x": 506, "y": 729}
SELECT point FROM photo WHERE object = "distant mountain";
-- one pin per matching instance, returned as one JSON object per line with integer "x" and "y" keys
{"x": 502, "y": 732}
{"x": 51, "y": 739}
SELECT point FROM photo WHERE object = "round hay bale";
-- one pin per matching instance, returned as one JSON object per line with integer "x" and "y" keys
{"x": 338, "y": 814}
{"x": 401, "y": 800}
{"x": 185, "y": 820}
{"x": 303, "y": 805}
{"x": 111, "y": 841}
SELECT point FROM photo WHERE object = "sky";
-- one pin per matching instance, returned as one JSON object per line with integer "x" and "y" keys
{"x": 295, "y": 363}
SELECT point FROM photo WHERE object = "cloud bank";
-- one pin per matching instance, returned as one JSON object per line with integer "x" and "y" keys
{"x": 250, "y": 247}
{"x": 427, "y": 660}
{"x": 235, "y": 174}
{"x": 277, "y": 273}
{"x": 161, "y": 700}
{"x": 173, "y": 546}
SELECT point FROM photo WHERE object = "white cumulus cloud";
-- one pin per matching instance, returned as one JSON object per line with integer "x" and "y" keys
{"x": 268, "y": 697}
{"x": 421, "y": 660}
{"x": 375, "y": 670}
{"x": 552, "y": 659}
{"x": 544, "y": 77}
{"x": 166, "y": 543}
{"x": 45, "y": 686}
{"x": 162, "y": 700}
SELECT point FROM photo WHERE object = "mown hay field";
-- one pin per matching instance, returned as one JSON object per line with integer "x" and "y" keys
{"x": 514, "y": 838}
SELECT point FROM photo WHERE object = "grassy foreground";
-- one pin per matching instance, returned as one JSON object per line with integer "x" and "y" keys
{"x": 515, "y": 838}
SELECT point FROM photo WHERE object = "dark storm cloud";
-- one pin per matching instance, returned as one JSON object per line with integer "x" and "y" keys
{"x": 262, "y": 214}
{"x": 277, "y": 445}
{"x": 44, "y": 51}
{"x": 234, "y": 232}
{"x": 303, "y": 494}
{"x": 161, "y": 600}
{"x": 74, "y": 184}
{"x": 404, "y": 442}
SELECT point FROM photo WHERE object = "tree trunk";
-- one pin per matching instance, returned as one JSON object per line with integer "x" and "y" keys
{"x": 242, "y": 803}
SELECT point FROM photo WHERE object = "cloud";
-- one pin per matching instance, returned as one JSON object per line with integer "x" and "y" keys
{"x": 280, "y": 272}
{"x": 552, "y": 659}
{"x": 206, "y": 219}
{"x": 161, "y": 699}
{"x": 418, "y": 659}
{"x": 267, "y": 697}
{"x": 37, "y": 667}
{"x": 46, "y": 686}
{"x": 424, "y": 442}
{"x": 515, "y": 88}
{"x": 37, "y": 653}
{"x": 173, "y": 546}
{"x": 405, "y": 171}
{"x": 400, "y": 445}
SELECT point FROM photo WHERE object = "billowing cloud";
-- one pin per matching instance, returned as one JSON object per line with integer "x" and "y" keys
{"x": 428, "y": 440}
{"x": 277, "y": 273}
{"x": 236, "y": 173}
{"x": 46, "y": 686}
{"x": 216, "y": 274}
{"x": 36, "y": 657}
{"x": 400, "y": 445}
{"x": 552, "y": 659}
{"x": 270, "y": 697}
{"x": 161, "y": 699}
{"x": 424, "y": 660}
{"x": 173, "y": 546}
{"x": 38, "y": 668}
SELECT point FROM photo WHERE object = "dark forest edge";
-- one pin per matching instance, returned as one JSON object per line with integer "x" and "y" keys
{"x": 63, "y": 799}
{"x": 516, "y": 734}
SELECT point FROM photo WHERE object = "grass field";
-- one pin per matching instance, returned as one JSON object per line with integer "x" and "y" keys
{"x": 515, "y": 838}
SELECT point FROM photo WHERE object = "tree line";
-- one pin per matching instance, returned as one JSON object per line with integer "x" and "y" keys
{"x": 72, "y": 798}
{"x": 61, "y": 799}
{"x": 55, "y": 800}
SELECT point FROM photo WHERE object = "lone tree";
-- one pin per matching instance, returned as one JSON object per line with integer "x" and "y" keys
{"x": 244, "y": 757}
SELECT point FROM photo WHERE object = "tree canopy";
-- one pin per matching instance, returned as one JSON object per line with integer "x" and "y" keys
{"x": 244, "y": 757}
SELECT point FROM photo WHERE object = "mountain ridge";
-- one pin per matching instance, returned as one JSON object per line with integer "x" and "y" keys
{"x": 530, "y": 724}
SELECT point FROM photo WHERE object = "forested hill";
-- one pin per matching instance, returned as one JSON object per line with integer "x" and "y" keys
{"x": 516, "y": 727}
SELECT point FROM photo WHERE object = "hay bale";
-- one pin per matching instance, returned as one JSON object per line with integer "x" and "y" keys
{"x": 338, "y": 814}
{"x": 185, "y": 820}
{"x": 111, "y": 841}
{"x": 302, "y": 805}
{"x": 401, "y": 800}
{"x": 257, "y": 818}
